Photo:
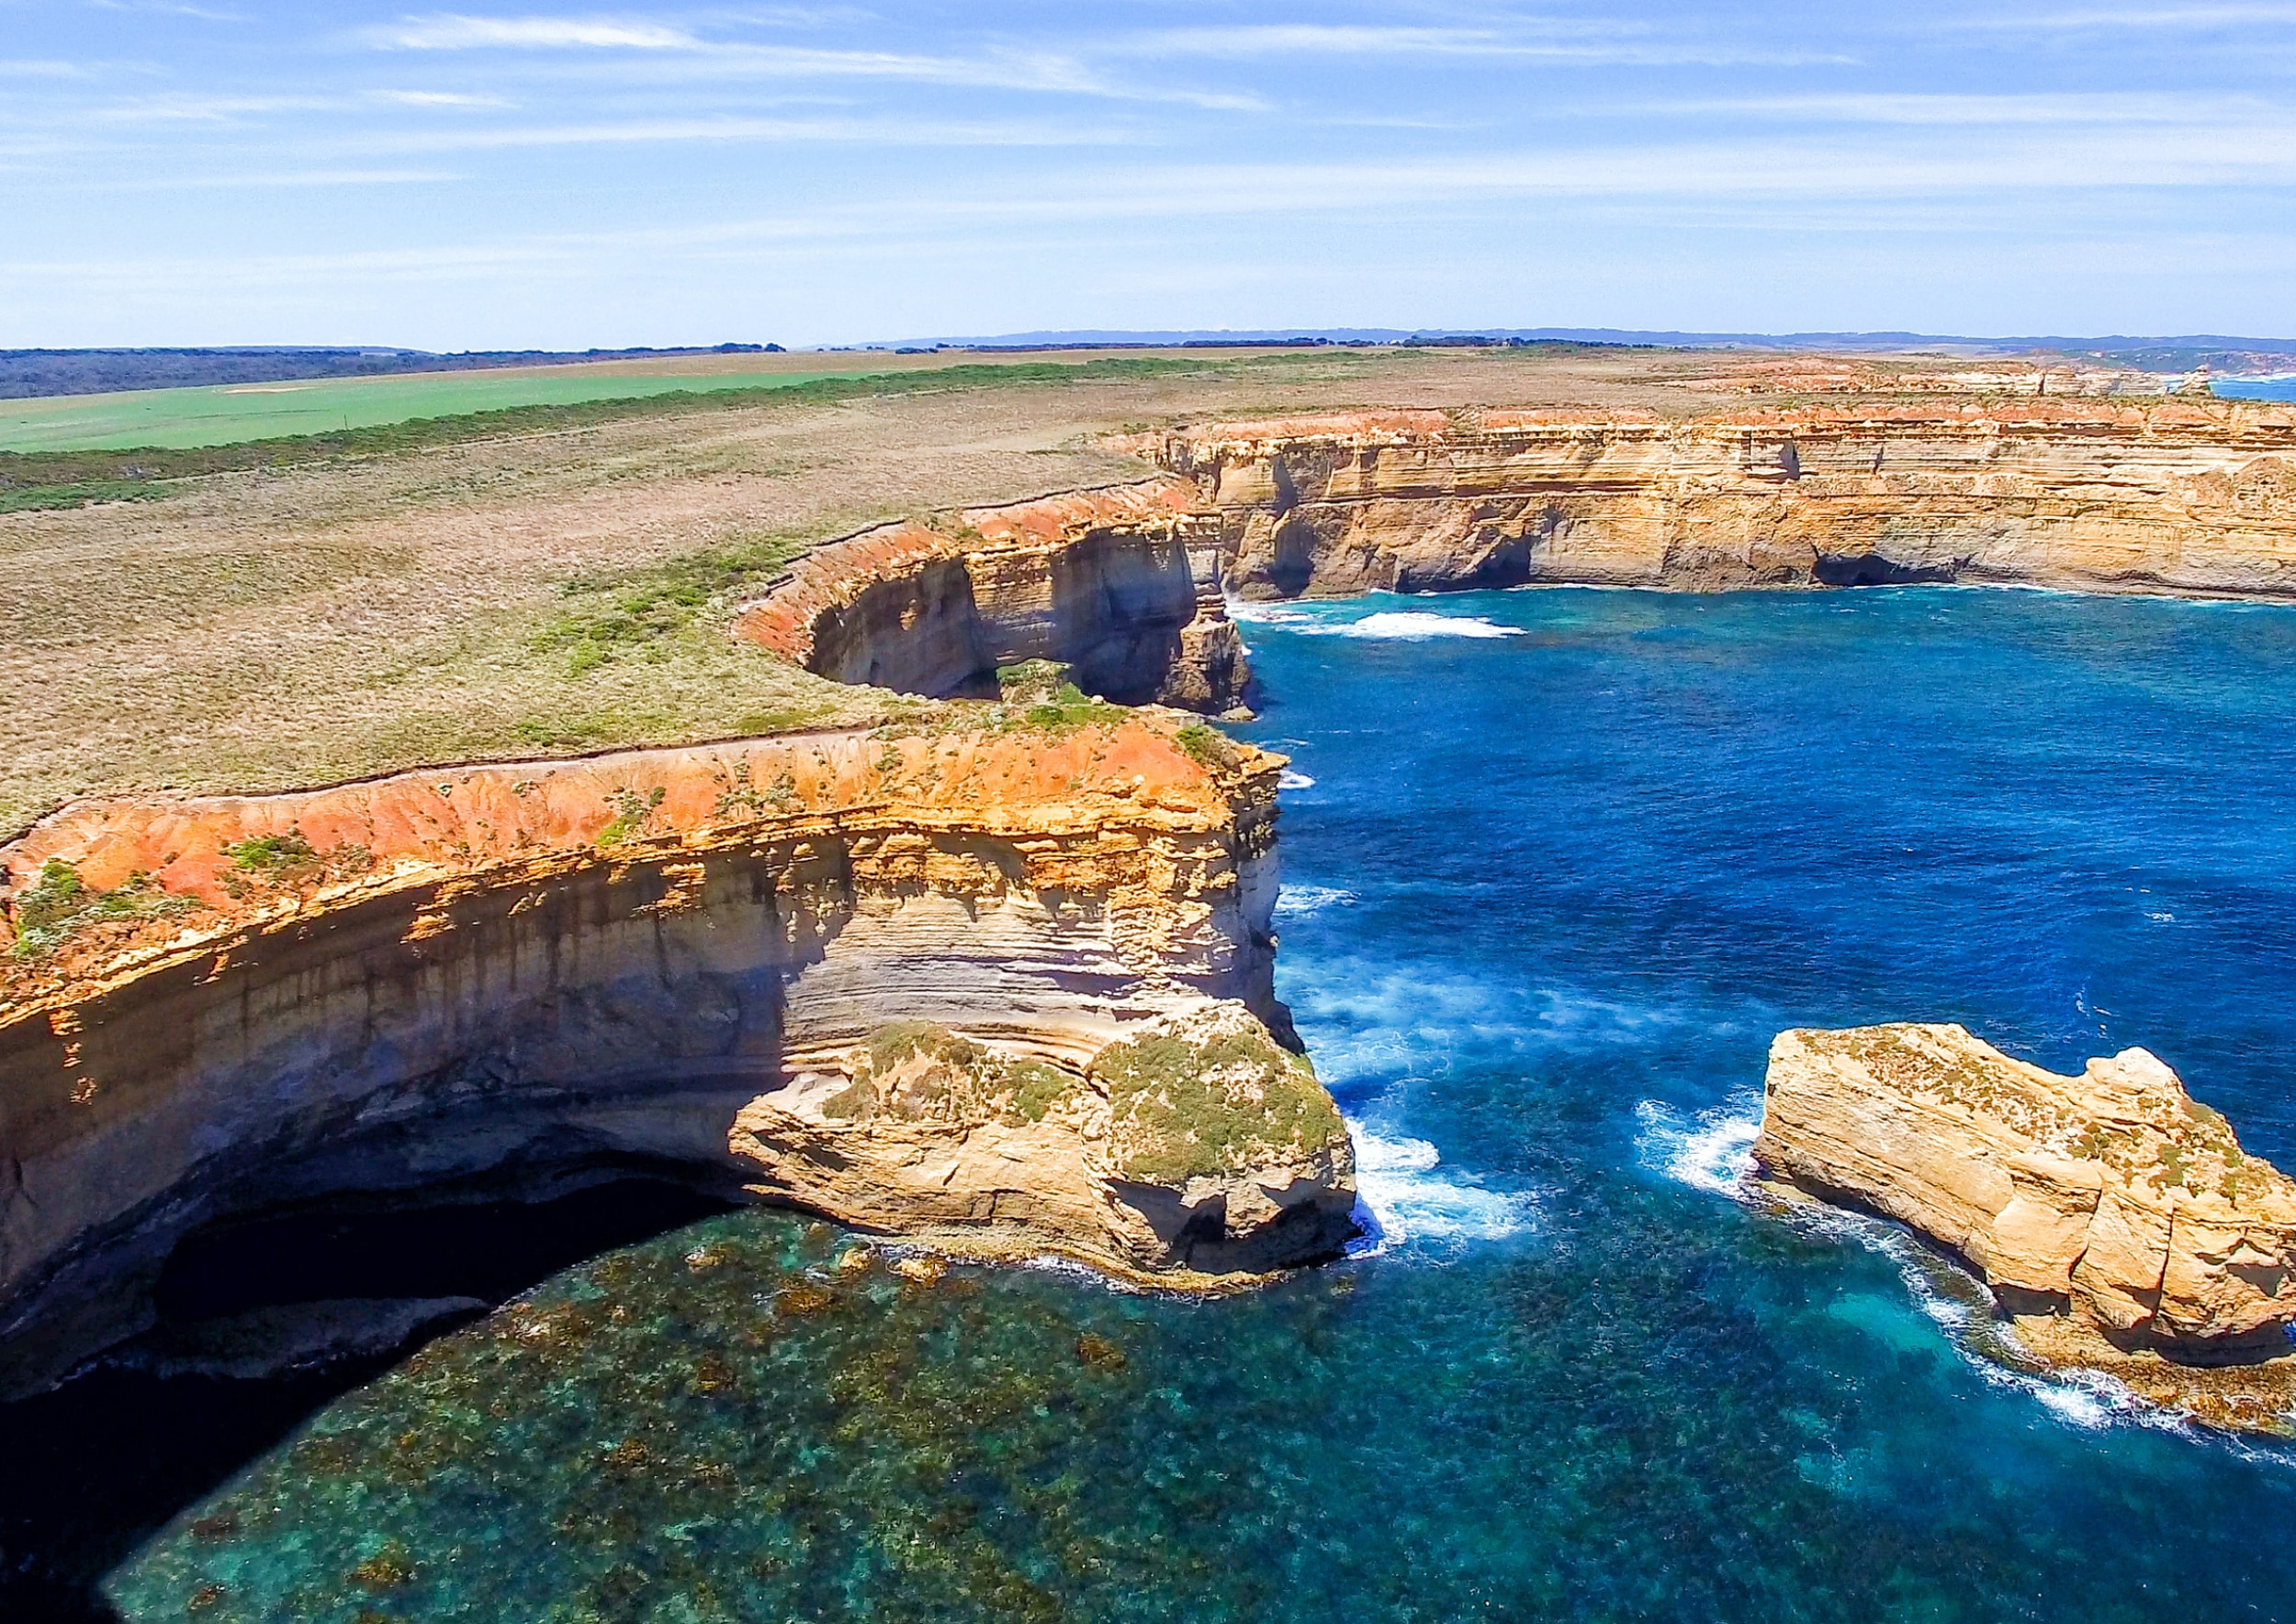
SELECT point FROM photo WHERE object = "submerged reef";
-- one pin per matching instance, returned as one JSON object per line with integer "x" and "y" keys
{"x": 2116, "y": 1219}
{"x": 759, "y": 1417}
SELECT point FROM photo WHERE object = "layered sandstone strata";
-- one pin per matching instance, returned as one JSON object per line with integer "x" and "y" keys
{"x": 2116, "y": 1219}
{"x": 2158, "y": 494}
{"x": 234, "y": 1004}
{"x": 1121, "y": 585}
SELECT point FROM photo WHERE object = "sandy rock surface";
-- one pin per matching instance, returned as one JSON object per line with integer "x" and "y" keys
{"x": 2116, "y": 1219}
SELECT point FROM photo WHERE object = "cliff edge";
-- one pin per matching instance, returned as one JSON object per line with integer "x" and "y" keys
{"x": 1120, "y": 584}
{"x": 1000, "y": 977}
{"x": 2117, "y": 1221}
{"x": 2099, "y": 493}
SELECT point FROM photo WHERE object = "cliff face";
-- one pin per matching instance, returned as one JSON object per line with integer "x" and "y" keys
{"x": 2160, "y": 495}
{"x": 1120, "y": 584}
{"x": 666, "y": 954}
{"x": 2118, "y": 1222}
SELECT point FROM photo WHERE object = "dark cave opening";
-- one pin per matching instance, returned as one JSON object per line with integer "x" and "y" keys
{"x": 98, "y": 1464}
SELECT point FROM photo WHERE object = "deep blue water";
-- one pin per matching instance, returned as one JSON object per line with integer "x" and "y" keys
{"x": 1567, "y": 861}
{"x": 2256, "y": 388}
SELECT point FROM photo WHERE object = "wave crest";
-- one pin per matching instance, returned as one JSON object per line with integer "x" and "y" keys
{"x": 1409, "y": 626}
{"x": 1401, "y": 1202}
{"x": 1713, "y": 1151}
{"x": 1297, "y": 902}
{"x": 1413, "y": 626}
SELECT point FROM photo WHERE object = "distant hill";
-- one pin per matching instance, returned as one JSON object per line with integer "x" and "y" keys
{"x": 26, "y": 373}
{"x": 2182, "y": 354}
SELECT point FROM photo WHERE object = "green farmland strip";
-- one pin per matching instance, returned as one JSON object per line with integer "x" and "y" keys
{"x": 223, "y": 414}
{"x": 68, "y": 477}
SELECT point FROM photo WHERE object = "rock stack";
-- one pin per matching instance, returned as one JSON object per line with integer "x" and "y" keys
{"x": 2117, "y": 1219}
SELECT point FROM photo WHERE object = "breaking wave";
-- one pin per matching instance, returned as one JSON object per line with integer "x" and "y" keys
{"x": 1402, "y": 1201}
{"x": 1415, "y": 626}
{"x": 1713, "y": 1151}
{"x": 1297, "y": 902}
{"x": 1410, "y": 626}
{"x": 1250, "y": 613}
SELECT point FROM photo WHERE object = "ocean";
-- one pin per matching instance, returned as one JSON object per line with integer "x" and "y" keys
{"x": 1558, "y": 865}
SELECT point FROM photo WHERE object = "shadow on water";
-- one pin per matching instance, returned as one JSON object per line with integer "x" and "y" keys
{"x": 96, "y": 1466}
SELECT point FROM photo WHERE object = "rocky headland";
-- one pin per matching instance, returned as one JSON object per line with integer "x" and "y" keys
{"x": 997, "y": 974}
{"x": 2117, "y": 1221}
{"x": 2101, "y": 492}
{"x": 1121, "y": 585}
{"x": 1125, "y": 585}
{"x": 998, "y": 978}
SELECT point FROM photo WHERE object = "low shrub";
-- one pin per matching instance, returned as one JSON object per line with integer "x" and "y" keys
{"x": 46, "y": 913}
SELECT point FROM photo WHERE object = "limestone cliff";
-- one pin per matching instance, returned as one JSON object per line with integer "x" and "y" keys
{"x": 2116, "y": 1219}
{"x": 2101, "y": 493}
{"x": 232, "y": 1004}
{"x": 1121, "y": 585}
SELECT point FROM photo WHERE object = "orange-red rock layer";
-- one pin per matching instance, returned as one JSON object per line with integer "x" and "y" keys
{"x": 450, "y": 976}
{"x": 1119, "y": 583}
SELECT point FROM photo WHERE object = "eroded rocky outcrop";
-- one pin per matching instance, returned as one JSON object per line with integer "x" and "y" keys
{"x": 2158, "y": 494}
{"x": 232, "y": 1004}
{"x": 2116, "y": 1219}
{"x": 1195, "y": 1141}
{"x": 1121, "y": 585}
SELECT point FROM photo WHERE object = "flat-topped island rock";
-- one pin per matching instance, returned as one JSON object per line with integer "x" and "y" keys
{"x": 2117, "y": 1219}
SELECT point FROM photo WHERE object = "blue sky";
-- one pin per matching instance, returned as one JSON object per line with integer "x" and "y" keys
{"x": 236, "y": 171}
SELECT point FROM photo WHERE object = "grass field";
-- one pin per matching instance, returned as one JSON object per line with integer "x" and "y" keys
{"x": 231, "y": 412}
{"x": 228, "y": 413}
{"x": 548, "y": 581}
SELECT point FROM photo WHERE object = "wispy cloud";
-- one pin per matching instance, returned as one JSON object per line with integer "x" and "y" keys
{"x": 437, "y": 98}
{"x": 688, "y": 56}
{"x": 1256, "y": 40}
{"x": 1049, "y": 71}
{"x": 42, "y": 69}
{"x": 322, "y": 177}
{"x": 170, "y": 9}
{"x": 2074, "y": 109}
{"x": 1554, "y": 40}
{"x": 1734, "y": 186}
{"x": 2133, "y": 17}
{"x": 202, "y": 109}
{"x": 452, "y": 32}
{"x": 870, "y": 131}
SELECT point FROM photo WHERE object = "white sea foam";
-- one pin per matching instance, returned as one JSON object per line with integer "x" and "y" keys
{"x": 1402, "y": 1201}
{"x": 1959, "y": 1305}
{"x": 1368, "y": 1018}
{"x": 1296, "y": 902}
{"x": 1713, "y": 1151}
{"x": 1250, "y": 613}
{"x": 1392, "y": 625}
{"x": 1291, "y": 780}
{"x": 1415, "y": 626}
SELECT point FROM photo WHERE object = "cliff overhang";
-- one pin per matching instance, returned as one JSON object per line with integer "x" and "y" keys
{"x": 667, "y": 956}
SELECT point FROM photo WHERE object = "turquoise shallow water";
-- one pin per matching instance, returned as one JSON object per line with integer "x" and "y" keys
{"x": 1558, "y": 863}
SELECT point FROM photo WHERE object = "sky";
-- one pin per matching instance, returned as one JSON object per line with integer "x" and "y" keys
{"x": 238, "y": 171}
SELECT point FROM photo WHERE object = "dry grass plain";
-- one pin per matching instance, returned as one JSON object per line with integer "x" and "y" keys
{"x": 558, "y": 592}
